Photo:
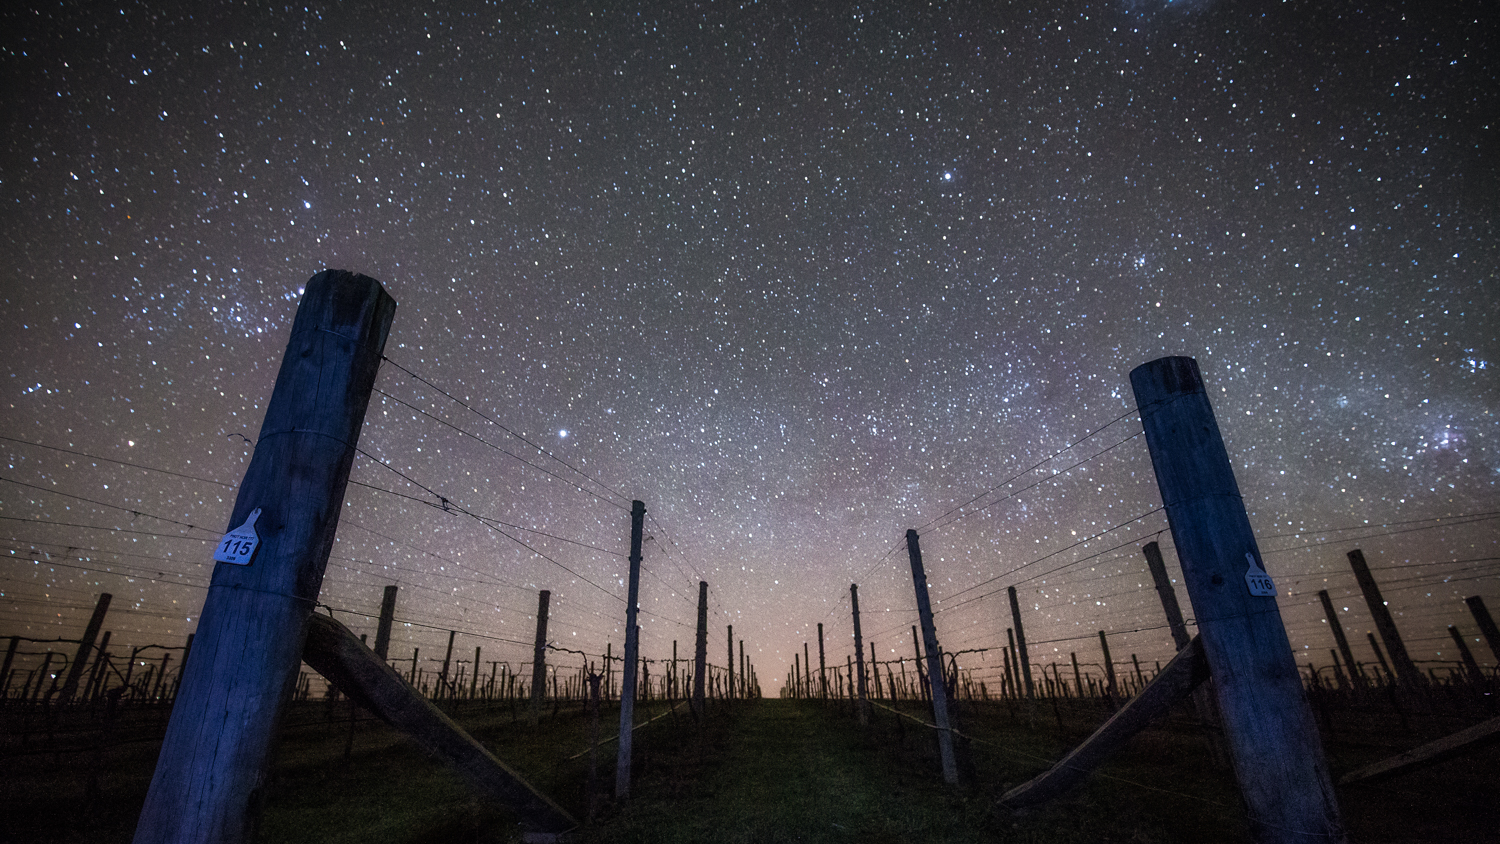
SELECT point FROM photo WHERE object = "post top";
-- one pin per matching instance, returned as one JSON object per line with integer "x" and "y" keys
{"x": 1167, "y": 376}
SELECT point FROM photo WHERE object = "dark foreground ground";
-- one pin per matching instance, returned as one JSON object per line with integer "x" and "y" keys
{"x": 766, "y": 771}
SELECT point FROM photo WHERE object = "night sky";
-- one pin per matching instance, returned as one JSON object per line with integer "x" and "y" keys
{"x": 797, "y": 278}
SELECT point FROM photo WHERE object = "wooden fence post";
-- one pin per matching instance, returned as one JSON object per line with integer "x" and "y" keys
{"x": 102, "y": 659}
{"x": 10, "y": 658}
{"x": 474, "y": 681}
{"x": 1167, "y": 594}
{"x": 387, "y": 616}
{"x": 1273, "y": 739}
{"x": 700, "y": 648}
{"x": 1338, "y": 636}
{"x": 862, "y": 704}
{"x": 632, "y": 653}
{"x": 1380, "y": 657}
{"x": 934, "y": 659}
{"x": 443, "y": 683}
{"x": 539, "y": 657}
{"x": 1015, "y": 615}
{"x": 822, "y": 665}
{"x": 1486, "y": 623}
{"x": 1113, "y": 689}
{"x": 85, "y": 649}
{"x": 729, "y": 664}
{"x": 211, "y": 771}
{"x": 1476, "y": 676}
{"x": 1406, "y": 670}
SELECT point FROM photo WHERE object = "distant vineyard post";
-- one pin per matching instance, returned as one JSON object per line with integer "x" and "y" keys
{"x": 632, "y": 653}
{"x": 1486, "y": 623}
{"x": 934, "y": 658}
{"x": 862, "y": 704}
{"x": 539, "y": 656}
{"x": 387, "y": 617}
{"x": 1015, "y": 615}
{"x": 1338, "y": 637}
{"x": 85, "y": 646}
{"x": 1407, "y": 672}
{"x": 700, "y": 648}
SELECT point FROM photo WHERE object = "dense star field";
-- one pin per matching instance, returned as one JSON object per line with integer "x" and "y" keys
{"x": 799, "y": 279}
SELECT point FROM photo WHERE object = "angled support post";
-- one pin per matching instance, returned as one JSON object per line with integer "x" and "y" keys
{"x": 1176, "y": 681}
{"x": 333, "y": 651}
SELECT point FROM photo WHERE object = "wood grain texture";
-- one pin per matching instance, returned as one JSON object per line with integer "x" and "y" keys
{"x": 1272, "y": 737}
{"x": 211, "y": 771}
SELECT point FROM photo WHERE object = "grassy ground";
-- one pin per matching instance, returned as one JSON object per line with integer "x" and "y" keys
{"x": 766, "y": 771}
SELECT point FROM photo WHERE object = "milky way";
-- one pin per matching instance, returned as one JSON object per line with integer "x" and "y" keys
{"x": 798, "y": 279}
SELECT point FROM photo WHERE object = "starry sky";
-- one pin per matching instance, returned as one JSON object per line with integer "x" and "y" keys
{"x": 797, "y": 278}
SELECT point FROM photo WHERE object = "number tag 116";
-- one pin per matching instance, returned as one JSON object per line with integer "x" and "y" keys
{"x": 1259, "y": 582}
{"x": 238, "y": 545}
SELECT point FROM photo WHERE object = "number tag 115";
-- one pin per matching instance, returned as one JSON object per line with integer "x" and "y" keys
{"x": 238, "y": 545}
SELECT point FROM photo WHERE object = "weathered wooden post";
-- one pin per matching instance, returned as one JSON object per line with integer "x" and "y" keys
{"x": 862, "y": 704}
{"x": 41, "y": 679}
{"x": 729, "y": 664}
{"x": 1112, "y": 690}
{"x": 807, "y": 678}
{"x": 539, "y": 657}
{"x": 1015, "y": 614}
{"x": 10, "y": 658}
{"x": 85, "y": 649}
{"x": 935, "y": 676}
{"x": 632, "y": 653}
{"x": 916, "y": 647}
{"x": 1385, "y": 667}
{"x": 102, "y": 659}
{"x": 387, "y": 617}
{"x": 822, "y": 665}
{"x": 1167, "y": 594}
{"x": 442, "y": 683}
{"x": 1471, "y": 667}
{"x": 1406, "y": 670}
{"x": 1486, "y": 623}
{"x": 474, "y": 680}
{"x": 1338, "y": 636}
{"x": 211, "y": 771}
{"x": 1273, "y": 738}
{"x": 700, "y": 648}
